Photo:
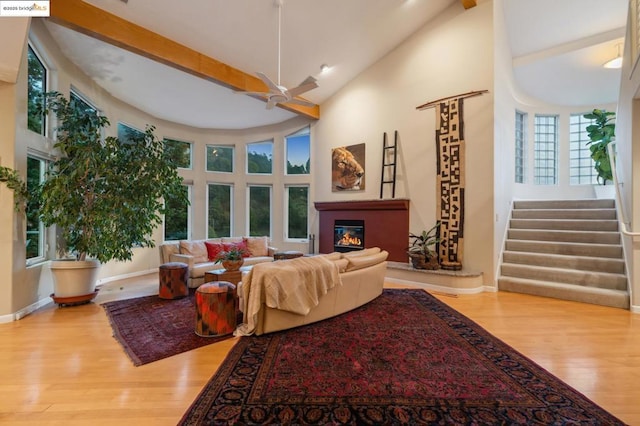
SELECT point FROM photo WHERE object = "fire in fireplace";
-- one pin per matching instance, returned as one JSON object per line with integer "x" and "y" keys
{"x": 348, "y": 235}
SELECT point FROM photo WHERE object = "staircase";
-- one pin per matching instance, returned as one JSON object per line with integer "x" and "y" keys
{"x": 567, "y": 250}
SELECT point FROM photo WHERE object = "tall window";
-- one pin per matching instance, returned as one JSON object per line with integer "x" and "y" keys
{"x": 81, "y": 103}
{"x": 259, "y": 210}
{"x": 178, "y": 152}
{"x": 260, "y": 157}
{"x": 176, "y": 219}
{"x": 521, "y": 147}
{"x": 220, "y": 158}
{"x": 36, "y": 88}
{"x": 297, "y": 212}
{"x": 581, "y": 167}
{"x": 35, "y": 228}
{"x": 220, "y": 200}
{"x": 546, "y": 150}
{"x": 126, "y": 134}
{"x": 298, "y": 153}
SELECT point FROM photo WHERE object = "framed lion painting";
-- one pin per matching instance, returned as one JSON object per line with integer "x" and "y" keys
{"x": 347, "y": 168}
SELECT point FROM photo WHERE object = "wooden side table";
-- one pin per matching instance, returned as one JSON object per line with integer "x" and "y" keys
{"x": 234, "y": 277}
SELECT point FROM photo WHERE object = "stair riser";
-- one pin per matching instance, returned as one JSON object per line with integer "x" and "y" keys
{"x": 594, "y": 214}
{"x": 565, "y": 225}
{"x": 588, "y": 279}
{"x": 616, "y": 301}
{"x": 613, "y": 252}
{"x": 612, "y": 266}
{"x": 565, "y": 236}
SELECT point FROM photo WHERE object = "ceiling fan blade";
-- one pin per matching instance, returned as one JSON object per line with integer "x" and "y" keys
{"x": 308, "y": 84}
{"x": 270, "y": 84}
{"x": 301, "y": 102}
{"x": 240, "y": 92}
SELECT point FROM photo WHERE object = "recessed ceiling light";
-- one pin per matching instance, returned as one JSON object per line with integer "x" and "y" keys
{"x": 324, "y": 68}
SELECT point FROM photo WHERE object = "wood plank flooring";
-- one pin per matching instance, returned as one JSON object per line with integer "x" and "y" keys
{"x": 61, "y": 366}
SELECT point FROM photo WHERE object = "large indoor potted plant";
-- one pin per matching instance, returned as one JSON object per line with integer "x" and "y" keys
{"x": 601, "y": 133}
{"x": 421, "y": 251}
{"x": 105, "y": 196}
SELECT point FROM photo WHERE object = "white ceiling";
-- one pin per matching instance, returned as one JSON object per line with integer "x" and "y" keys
{"x": 558, "y": 48}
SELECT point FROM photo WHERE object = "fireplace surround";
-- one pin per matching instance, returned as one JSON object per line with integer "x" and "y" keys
{"x": 386, "y": 224}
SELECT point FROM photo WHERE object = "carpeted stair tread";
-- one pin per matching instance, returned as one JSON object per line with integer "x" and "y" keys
{"x": 564, "y": 204}
{"x": 593, "y": 295}
{"x": 599, "y": 237}
{"x": 565, "y": 224}
{"x": 588, "y": 214}
{"x": 567, "y": 276}
{"x": 577, "y": 249}
{"x": 582, "y": 263}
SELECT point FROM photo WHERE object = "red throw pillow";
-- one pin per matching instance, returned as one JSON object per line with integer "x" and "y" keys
{"x": 213, "y": 250}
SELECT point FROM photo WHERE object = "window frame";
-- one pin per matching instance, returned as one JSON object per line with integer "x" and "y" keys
{"x": 45, "y": 119}
{"x": 268, "y": 142}
{"x": 541, "y": 162}
{"x": 42, "y": 230}
{"x": 287, "y": 216}
{"x": 305, "y": 131}
{"x": 231, "y": 208}
{"x": 583, "y": 151}
{"x": 233, "y": 158}
{"x": 520, "y": 154}
{"x": 189, "y": 206}
{"x": 248, "y": 210}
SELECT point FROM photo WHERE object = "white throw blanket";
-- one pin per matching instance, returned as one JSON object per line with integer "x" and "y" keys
{"x": 293, "y": 285}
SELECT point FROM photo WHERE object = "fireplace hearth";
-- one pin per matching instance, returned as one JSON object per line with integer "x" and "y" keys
{"x": 348, "y": 235}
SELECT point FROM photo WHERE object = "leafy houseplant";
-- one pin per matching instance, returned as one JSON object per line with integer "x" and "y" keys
{"x": 232, "y": 259}
{"x": 601, "y": 133}
{"x": 421, "y": 251}
{"x": 104, "y": 195}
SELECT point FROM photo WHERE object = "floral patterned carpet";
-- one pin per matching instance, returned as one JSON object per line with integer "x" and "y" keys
{"x": 404, "y": 358}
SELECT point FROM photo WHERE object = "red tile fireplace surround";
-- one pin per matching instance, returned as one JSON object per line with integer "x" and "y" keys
{"x": 386, "y": 224}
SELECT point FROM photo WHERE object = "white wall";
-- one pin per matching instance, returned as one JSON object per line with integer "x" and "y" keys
{"x": 451, "y": 55}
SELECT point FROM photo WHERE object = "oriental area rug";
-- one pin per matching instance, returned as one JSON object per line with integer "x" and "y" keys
{"x": 404, "y": 358}
{"x": 150, "y": 328}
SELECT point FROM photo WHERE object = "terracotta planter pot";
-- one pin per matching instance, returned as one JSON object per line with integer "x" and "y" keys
{"x": 232, "y": 265}
{"x": 421, "y": 262}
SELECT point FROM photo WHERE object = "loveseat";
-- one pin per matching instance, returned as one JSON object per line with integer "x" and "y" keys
{"x": 345, "y": 282}
{"x": 199, "y": 255}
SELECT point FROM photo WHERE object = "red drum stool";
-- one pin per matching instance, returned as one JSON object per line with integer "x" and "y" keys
{"x": 215, "y": 309}
{"x": 173, "y": 280}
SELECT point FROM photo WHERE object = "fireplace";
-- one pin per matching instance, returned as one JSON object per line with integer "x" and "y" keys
{"x": 348, "y": 235}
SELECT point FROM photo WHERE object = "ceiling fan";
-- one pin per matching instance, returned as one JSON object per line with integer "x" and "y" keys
{"x": 277, "y": 93}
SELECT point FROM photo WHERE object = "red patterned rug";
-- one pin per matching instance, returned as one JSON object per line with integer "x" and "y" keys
{"x": 150, "y": 328}
{"x": 405, "y": 358}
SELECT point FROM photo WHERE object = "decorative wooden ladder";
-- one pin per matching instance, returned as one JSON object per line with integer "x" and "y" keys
{"x": 389, "y": 167}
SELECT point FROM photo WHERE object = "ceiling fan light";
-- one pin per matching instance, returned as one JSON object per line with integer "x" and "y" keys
{"x": 614, "y": 63}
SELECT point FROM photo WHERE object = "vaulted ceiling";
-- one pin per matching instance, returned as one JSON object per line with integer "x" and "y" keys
{"x": 183, "y": 61}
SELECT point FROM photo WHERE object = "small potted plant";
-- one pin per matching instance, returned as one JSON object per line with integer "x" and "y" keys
{"x": 233, "y": 258}
{"x": 422, "y": 249}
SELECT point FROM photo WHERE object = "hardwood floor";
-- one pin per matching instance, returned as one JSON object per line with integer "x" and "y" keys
{"x": 62, "y": 365}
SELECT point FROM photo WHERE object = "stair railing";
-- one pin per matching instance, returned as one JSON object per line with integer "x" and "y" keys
{"x": 619, "y": 207}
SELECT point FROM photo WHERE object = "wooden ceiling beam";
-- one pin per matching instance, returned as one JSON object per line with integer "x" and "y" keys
{"x": 468, "y": 4}
{"x": 95, "y": 22}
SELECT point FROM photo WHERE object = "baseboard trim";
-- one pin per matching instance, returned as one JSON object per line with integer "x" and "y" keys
{"x": 635, "y": 309}
{"x": 25, "y": 311}
{"x": 105, "y": 280}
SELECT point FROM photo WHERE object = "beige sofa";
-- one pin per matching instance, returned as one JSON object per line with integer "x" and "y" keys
{"x": 194, "y": 253}
{"x": 361, "y": 275}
